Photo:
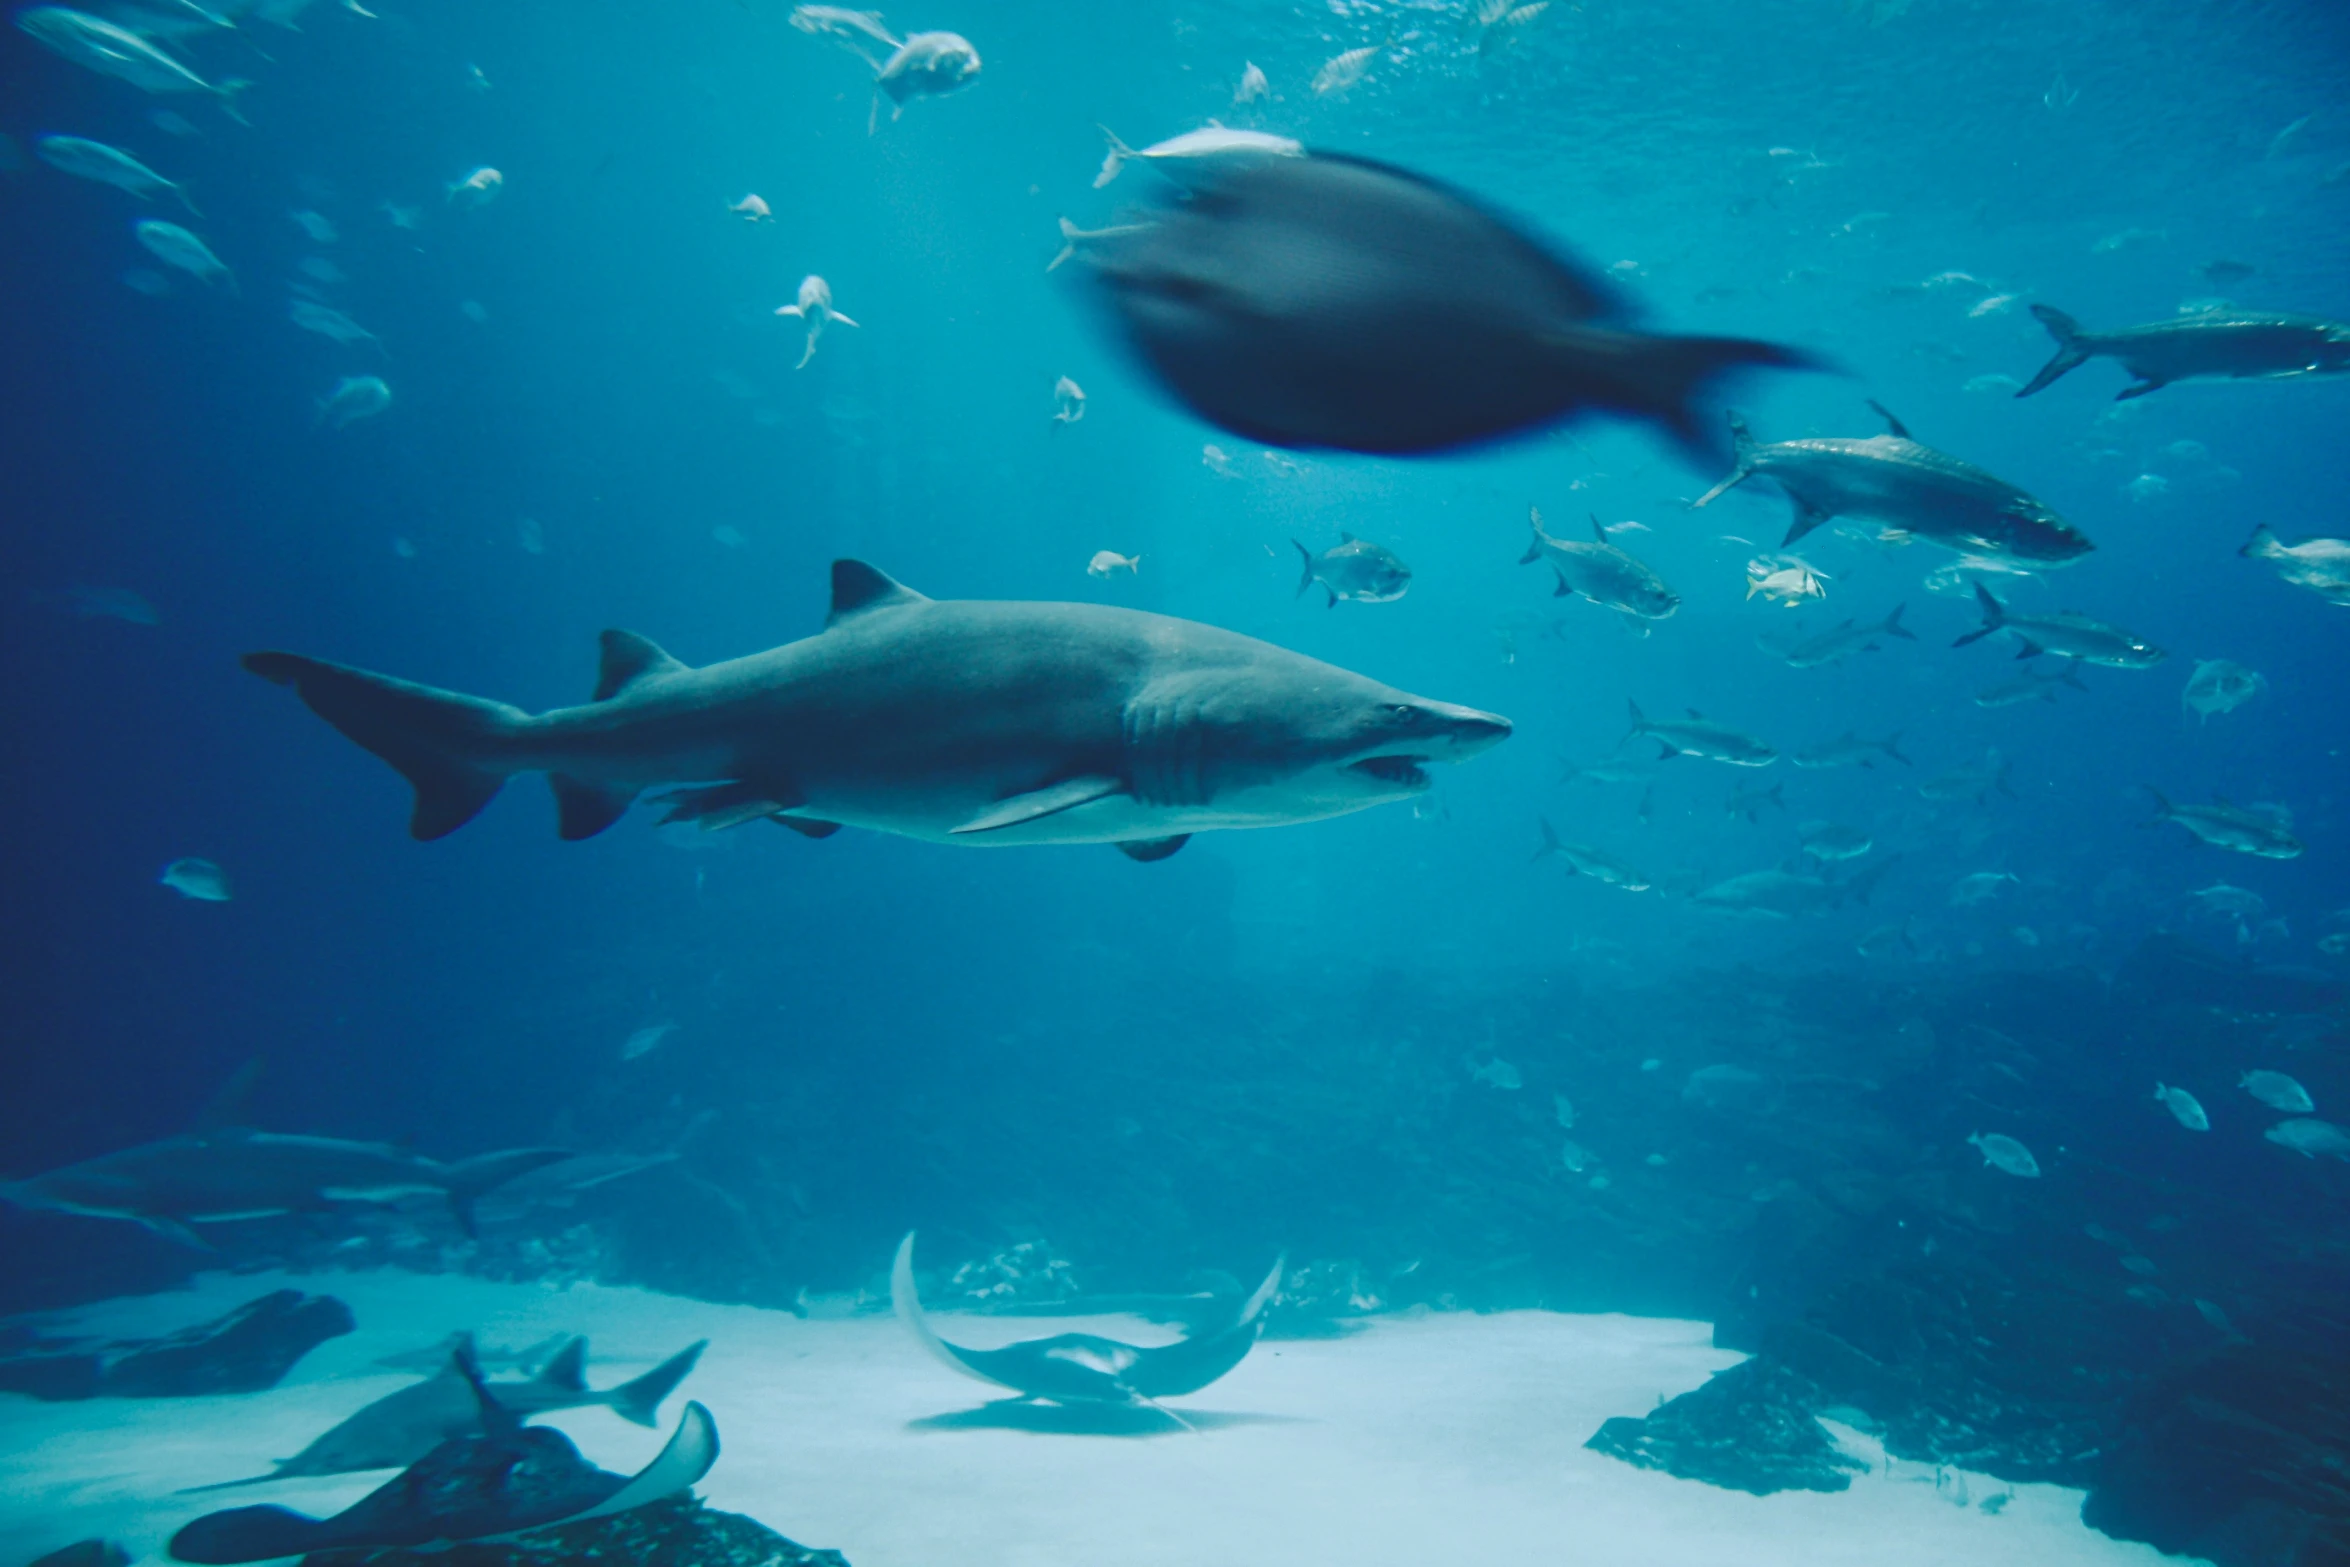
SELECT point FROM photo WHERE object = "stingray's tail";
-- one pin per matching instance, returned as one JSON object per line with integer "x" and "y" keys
{"x": 452, "y": 749}
{"x": 639, "y": 1401}
{"x": 2072, "y": 349}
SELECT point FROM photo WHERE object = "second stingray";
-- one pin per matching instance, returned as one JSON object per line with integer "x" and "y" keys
{"x": 1084, "y": 1368}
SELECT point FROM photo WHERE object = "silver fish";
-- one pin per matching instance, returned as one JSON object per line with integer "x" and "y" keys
{"x": 1354, "y": 569}
{"x": 2230, "y": 344}
{"x": 2071, "y": 636}
{"x": 1699, "y": 736}
{"x": 116, "y": 51}
{"x": 1182, "y": 158}
{"x": 2031, "y": 686}
{"x": 2220, "y": 685}
{"x": 1893, "y": 479}
{"x": 2320, "y": 565}
{"x": 311, "y": 316}
{"x": 94, "y": 160}
{"x": 1582, "y": 860}
{"x": 1601, "y": 572}
{"x": 2226, "y": 826}
{"x": 1847, "y": 639}
{"x": 176, "y": 247}
{"x": 1970, "y": 783}
{"x": 1850, "y": 750}
{"x": 2278, "y": 1092}
{"x": 1828, "y": 841}
{"x": 2184, "y": 1107}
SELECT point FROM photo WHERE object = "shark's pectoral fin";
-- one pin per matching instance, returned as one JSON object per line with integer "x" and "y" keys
{"x": 584, "y": 809}
{"x": 1807, "y": 517}
{"x": 1051, "y": 800}
{"x": 2138, "y": 389}
{"x": 1148, "y": 849}
{"x": 806, "y": 828}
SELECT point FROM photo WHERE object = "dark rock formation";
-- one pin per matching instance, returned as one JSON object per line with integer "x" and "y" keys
{"x": 676, "y": 1533}
{"x": 2242, "y": 1457}
{"x": 1748, "y": 1429}
{"x": 245, "y": 1351}
{"x": 86, "y": 1553}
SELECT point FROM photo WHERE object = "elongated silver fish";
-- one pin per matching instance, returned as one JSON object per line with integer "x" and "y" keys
{"x": 1601, "y": 572}
{"x": 2064, "y": 633}
{"x": 1699, "y": 736}
{"x": 1850, "y": 750}
{"x": 2226, "y": 344}
{"x": 1845, "y": 640}
{"x": 2320, "y": 565}
{"x": 1583, "y": 860}
{"x": 2226, "y": 826}
{"x": 1893, "y": 479}
{"x": 114, "y": 50}
{"x": 94, "y": 160}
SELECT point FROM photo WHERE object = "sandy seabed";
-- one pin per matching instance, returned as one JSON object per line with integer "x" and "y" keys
{"x": 1434, "y": 1439}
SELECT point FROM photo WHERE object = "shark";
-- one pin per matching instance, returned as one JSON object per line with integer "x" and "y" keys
{"x": 974, "y": 722}
{"x": 400, "y": 1428}
{"x": 1084, "y": 1368}
{"x": 214, "y": 1174}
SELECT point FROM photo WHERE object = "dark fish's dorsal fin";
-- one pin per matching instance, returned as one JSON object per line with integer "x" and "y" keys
{"x": 626, "y": 659}
{"x": 1345, "y": 537}
{"x": 1694, "y": 713}
{"x": 1891, "y": 423}
{"x": 496, "y": 1419}
{"x": 1598, "y": 531}
{"x": 225, "y": 1110}
{"x": 858, "y": 588}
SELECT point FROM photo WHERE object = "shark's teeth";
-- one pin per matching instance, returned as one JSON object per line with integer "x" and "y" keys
{"x": 1395, "y": 769}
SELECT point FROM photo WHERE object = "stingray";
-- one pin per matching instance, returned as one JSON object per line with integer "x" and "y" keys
{"x": 503, "y": 1480}
{"x": 1083, "y": 1368}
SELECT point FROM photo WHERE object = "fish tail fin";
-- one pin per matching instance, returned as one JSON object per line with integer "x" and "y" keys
{"x": 1068, "y": 246}
{"x": 2072, "y": 675}
{"x": 187, "y": 201}
{"x": 1534, "y": 546}
{"x": 1667, "y": 378}
{"x": 1742, "y": 451}
{"x": 1550, "y": 839}
{"x": 639, "y": 1401}
{"x": 1306, "y": 577}
{"x": 2071, "y": 350}
{"x": 2162, "y": 805}
{"x": 1894, "y": 628}
{"x": 1892, "y": 748}
{"x": 469, "y": 1179}
{"x": 228, "y": 91}
{"x": 2262, "y": 545}
{"x": 1639, "y": 719}
{"x": 1113, "y": 160}
{"x": 566, "y": 1369}
{"x": 454, "y": 750}
{"x": 1994, "y": 616}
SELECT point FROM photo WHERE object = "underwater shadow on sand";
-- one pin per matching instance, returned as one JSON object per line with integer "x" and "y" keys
{"x": 1090, "y": 1420}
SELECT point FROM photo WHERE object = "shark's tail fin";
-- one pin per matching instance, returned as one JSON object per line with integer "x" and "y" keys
{"x": 451, "y": 748}
{"x": 2262, "y": 545}
{"x": 1894, "y": 628}
{"x": 2071, "y": 351}
{"x": 468, "y": 1179}
{"x": 1534, "y": 546}
{"x": 1069, "y": 237}
{"x": 1305, "y": 578}
{"x": 639, "y": 1401}
{"x": 1994, "y": 616}
{"x": 1550, "y": 839}
{"x": 1742, "y": 444}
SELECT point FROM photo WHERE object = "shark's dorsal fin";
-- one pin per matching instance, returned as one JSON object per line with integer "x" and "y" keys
{"x": 626, "y": 659}
{"x": 1891, "y": 423}
{"x": 566, "y": 1372}
{"x": 225, "y": 1110}
{"x": 1598, "y": 531}
{"x": 496, "y": 1419}
{"x": 857, "y": 589}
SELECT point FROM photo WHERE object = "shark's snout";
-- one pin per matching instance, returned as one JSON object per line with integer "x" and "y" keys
{"x": 1432, "y": 732}
{"x": 1463, "y": 731}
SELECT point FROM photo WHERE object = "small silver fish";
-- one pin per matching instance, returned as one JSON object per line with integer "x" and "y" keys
{"x": 1354, "y": 569}
{"x": 94, "y": 160}
{"x": 200, "y": 880}
{"x": 2003, "y": 1152}
{"x": 2185, "y": 1107}
{"x": 2277, "y": 1091}
{"x": 176, "y": 247}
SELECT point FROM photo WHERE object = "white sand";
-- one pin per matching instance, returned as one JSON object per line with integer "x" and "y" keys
{"x": 1442, "y": 1439}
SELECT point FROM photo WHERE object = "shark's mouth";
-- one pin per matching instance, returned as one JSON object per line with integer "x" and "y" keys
{"x": 1403, "y": 770}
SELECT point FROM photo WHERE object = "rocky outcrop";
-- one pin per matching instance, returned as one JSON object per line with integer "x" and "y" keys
{"x": 1749, "y": 1428}
{"x": 244, "y": 1351}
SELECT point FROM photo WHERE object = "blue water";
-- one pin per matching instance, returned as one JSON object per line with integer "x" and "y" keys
{"x": 596, "y": 422}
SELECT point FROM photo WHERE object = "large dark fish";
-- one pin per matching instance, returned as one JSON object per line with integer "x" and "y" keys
{"x": 503, "y": 1480}
{"x": 2231, "y": 344}
{"x": 1327, "y": 301}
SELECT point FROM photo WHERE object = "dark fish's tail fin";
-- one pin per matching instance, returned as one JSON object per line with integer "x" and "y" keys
{"x": 1742, "y": 448}
{"x": 1667, "y": 379}
{"x": 639, "y": 1401}
{"x": 1639, "y": 720}
{"x": 1305, "y": 578}
{"x": 1534, "y": 545}
{"x": 468, "y": 1179}
{"x": 2162, "y": 805}
{"x": 566, "y": 1369}
{"x": 2262, "y": 544}
{"x": 1550, "y": 839}
{"x": 1994, "y": 616}
{"x": 451, "y": 748}
{"x": 1894, "y": 628}
{"x": 2071, "y": 350}
{"x": 1891, "y": 746}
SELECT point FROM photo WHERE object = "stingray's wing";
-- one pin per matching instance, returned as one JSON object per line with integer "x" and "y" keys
{"x": 908, "y": 1305}
{"x": 1192, "y": 1364}
{"x": 689, "y": 1455}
